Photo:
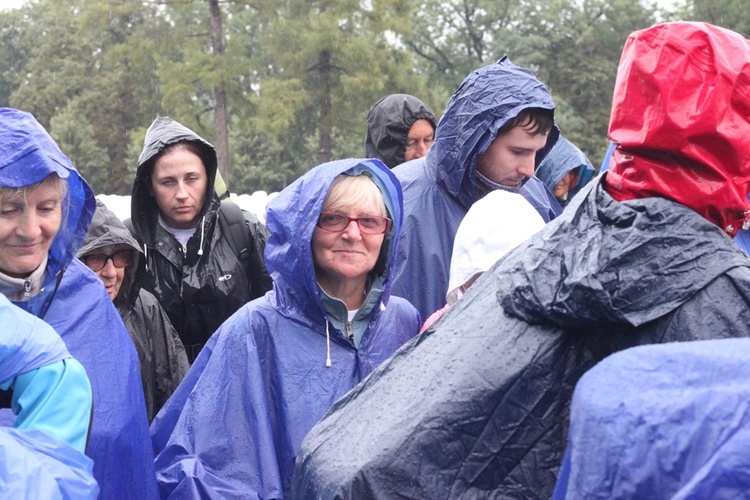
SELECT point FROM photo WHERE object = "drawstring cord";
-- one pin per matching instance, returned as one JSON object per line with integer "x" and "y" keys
{"x": 328, "y": 345}
{"x": 203, "y": 234}
{"x": 145, "y": 254}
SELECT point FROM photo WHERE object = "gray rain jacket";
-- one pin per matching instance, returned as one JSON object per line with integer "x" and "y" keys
{"x": 199, "y": 292}
{"x": 161, "y": 354}
{"x": 388, "y": 123}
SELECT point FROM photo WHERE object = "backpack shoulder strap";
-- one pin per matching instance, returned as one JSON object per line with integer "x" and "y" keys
{"x": 234, "y": 229}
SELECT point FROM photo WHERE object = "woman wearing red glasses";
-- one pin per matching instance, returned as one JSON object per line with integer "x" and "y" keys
{"x": 272, "y": 370}
{"x": 113, "y": 254}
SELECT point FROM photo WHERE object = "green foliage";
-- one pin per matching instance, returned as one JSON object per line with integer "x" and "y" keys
{"x": 300, "y": 75}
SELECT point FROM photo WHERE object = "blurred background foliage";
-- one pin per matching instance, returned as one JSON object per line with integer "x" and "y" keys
{"x": 295, "y": 78}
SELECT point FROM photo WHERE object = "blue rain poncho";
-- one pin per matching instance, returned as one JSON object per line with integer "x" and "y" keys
{"x": 440, "y": 188}
{"x": 562, "y": 158}
{"x": 667, "y": 421}
{"x": 48, "y": 390}
{"x": 233, "y": 427}
{"x": 35, "y": 460}
{"x": 73, "y": 301}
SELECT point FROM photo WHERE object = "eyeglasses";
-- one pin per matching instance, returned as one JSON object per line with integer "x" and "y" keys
{"x": 97, "y": 261}
{"x": 368, "y": 224}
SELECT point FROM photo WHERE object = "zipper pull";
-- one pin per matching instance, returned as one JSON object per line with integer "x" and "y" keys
{"x": 27, "y": 288}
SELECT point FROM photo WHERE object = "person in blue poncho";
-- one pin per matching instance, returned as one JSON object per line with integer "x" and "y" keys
{"x": 48, "y": 391}
{"x": 565, "y": 170}
{"x": 496, "y": 129}
{"x": 45, "y": 211}
{"x": 273, "y": 369}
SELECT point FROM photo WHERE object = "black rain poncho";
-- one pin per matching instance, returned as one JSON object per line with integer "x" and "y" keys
{"x": 198, "y": 292}
{"x": 160, "y": 353}
{"x": 388, "y": 123}
{"x": 478, "y": 405}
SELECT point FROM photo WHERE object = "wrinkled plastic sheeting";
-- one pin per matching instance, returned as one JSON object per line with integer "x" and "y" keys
{"x": 665, "y": 421}
{"x": 36, "y": 465}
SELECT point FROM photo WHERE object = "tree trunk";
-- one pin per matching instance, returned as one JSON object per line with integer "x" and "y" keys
{"x": 220, "y": 95}
{"x": 324, "y": 122}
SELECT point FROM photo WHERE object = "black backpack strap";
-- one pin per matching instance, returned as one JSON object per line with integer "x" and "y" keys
{"x": 234, "y": 229}
{"x": 246, "y": 236}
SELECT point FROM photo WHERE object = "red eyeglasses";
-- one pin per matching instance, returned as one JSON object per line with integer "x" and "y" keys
{"x": 368, "y": 224}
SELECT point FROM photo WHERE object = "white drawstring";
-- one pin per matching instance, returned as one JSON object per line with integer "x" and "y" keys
{"x": 145, "y": 254}
{"x": 203, "y": 233}
{"x": 328, "y": 344}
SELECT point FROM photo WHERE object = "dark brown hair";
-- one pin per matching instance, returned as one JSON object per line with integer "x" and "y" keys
{"x": 538, "y": 120}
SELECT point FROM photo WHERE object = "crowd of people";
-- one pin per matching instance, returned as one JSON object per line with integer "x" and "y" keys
{"x": 411, "y": 323}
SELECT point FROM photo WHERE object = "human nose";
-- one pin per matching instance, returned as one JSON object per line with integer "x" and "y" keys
{"x": 352, "y": 230}
{"x": 420, "y": 149}
{"x": 28, "y": 226}
{"x": 108, "y": 270}
{"x": 526, "y": 168}
{"x": 181, "y": 191}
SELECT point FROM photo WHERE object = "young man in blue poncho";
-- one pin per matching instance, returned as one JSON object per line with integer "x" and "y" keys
{"x": 496, "y": 129}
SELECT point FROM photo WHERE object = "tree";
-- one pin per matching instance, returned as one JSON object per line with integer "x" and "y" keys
{"x": 93, "y": 60}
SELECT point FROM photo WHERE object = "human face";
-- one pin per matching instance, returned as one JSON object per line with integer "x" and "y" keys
{"x": 111, "y": 275}
{"x": 421, "y": 135}
{"x": 511, "y": 158}
{"x": 179, "y": 184}
{"x": 565, "y": 184}
{"x": 28, "y": 225}
{"x": 343, "y": 259}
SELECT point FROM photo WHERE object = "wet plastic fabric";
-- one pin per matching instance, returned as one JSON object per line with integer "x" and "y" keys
{"x": 50, "y": 390}
{"x": 233, "y": 427}
{"x": 487, "y": 413}
{"x": 667, "y": 421}
{"x": 161, "y": 355}
{"x": 684, "y": 144}
{"x": 440, "y": 188}
{"x": 564, "y": 157}
{"x": 388, "y": 123}
{"x": 27, "y": 342}
{"x": 35, "y": 465}
{"x": 79, "y": 309}
{"x": 483, "y": 238}
{"x": 198, "y": 292}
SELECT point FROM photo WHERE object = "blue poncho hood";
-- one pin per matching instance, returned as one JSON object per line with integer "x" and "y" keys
{"x": 28, "y": 155}
{"x": 291, "y": 219}
{"x": 73, "y": 301}
{"x": 563, "y": 158}
{"x": 473, "y": 117}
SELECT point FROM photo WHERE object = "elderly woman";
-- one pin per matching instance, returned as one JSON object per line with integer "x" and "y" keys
{"x": 113, "y": 254}
{"x": 45, "y": 211}
{"x": 273, "y": 369}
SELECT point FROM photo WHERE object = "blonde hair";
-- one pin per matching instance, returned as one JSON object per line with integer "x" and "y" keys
{"x": 347, "y": 190}
{"x": 22, "y": 193}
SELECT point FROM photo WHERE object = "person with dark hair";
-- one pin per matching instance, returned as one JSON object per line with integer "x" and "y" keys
{"x": 479, "y": 406}
{"x": 565, "y": 170}
{"x": 113, "y": 254}
{"x": 204, "y": 258}
{"x": 496, "y": 129}
{"x": 233, "y": 427}
{"x": 45, "y": 212}
{"x": 400, "y": 128}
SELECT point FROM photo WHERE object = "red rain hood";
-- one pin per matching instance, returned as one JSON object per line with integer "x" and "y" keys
{"x": 681, "y": 119}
